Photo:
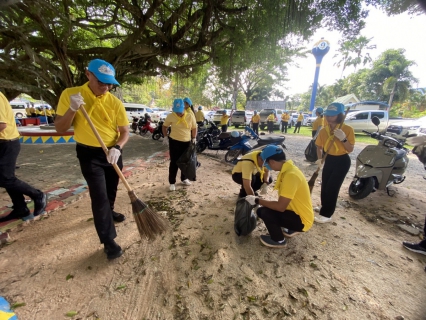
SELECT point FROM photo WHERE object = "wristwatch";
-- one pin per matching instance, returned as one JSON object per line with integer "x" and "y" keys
{"x": 344, "y": 140}
{"x": 256, "y": 200}
{"x": 117, "y": 147}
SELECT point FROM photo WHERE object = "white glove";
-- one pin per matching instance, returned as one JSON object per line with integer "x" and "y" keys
{"x": 339, "y": 134}
{"x": 264, "y": 189}
{"x": 251, "y": 199}
{"x": 113, "y": 155}
{"x": 166, "y": 141}
{"x": 194, "y": 140}
{"x": 76, "y": 100}
{"x": 318, "y": 162}
{"x": 416, "y": 141}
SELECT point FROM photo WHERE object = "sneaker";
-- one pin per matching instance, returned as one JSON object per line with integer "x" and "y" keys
{"x": 118, "y": 217}
{"x": 40, "y": 205}
{"x": 186, "y": 182}
{"x": 415, "y": 247}
{"x": 289, "y": 233}
{"x": 15, "y": 215}
{"x": 172, "y": 187}
{"x": 112, "y": 250}
{"x": 322, "y": 219}
{"x": 317, "y": 209}
{"x": 267, "y": 241}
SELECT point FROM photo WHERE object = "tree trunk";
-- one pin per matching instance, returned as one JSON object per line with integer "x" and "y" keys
{"x": 391, "y": 96}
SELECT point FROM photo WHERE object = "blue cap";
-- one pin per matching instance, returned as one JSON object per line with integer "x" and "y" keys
{"x": 334, "y": 109}
{"x": 270, "y": 150}
{"x": 200, "y": 108}
{"x": 320, "y": 110}
{"x": 103, "y": 71}
{"x": 178, "y": 106}
{"x": 188, "y": 101}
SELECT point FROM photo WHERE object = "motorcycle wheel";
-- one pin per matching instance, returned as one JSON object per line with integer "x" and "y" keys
{"x": 361, "y": 189}
{"x": 232, "y": 155}
{"x": 200, "y": 146}
{"x": 156, "y": 136}
{"x": 143, "y": 132}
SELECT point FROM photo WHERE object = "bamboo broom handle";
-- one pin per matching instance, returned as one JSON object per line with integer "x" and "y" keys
{"x": 95, "y": 131}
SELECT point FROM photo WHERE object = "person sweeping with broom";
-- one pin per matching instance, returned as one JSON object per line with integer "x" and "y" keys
{"x": 337, "y": 140}
{"x": 109, "y": 118}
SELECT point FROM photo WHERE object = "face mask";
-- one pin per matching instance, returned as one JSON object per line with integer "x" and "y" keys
{"x": 267, "y": 166}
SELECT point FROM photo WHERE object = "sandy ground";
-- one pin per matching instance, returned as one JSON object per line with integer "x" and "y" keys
{"x": 353, "y": 268}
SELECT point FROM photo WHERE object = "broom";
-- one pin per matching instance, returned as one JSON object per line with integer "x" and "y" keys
{"x": 150, "y": 224}
{"x": 311, "y": 182}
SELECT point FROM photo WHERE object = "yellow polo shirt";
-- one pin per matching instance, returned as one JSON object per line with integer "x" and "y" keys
{"x": 255, "y": 118}
{"x": 106, "y": 112}
{"x": 285, "y": 117}
{"x": 224, "y": 119}
{"x": 291, "y": 184}
{"x": 246, "y": 167}
{"x": 8, "y": 117}
{"x": 300, "y": 118}
{"x": 199, "y": 116}
{"x": 337, "y": 148}
{"x": 271, "y": 117}
{"x": 319, "y": 122}
{"x": 181, "y": 126}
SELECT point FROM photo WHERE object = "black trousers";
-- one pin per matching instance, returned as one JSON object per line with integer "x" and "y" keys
{"x": 9, "y": 151}
{"x": 423, "y": 242}
{"x": 297, "y": 126}
{"x": 224, "y": 127}
{"x": 333, "y": 175}
{"x": 274, "y": 220}
{"x": 256, "y": 182}
{"x": 256, "y": 128}
{"x": 176, "y": 149}
{"x": 314, "y": 132}
{"x": 284, "y": 126}
{"x": 102, "y": 181}
{"x": 270, "y": 126}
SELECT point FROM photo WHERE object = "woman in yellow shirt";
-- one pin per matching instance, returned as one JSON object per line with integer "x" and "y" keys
{"x": 319, "y": 121}
{"x": 337, "y": 143}
{"x": 224, "y": 121}
{"x": 270, "y": 122}
{"x": 298, "y": 123}
{"x": 284, "y": 122}
{"x": 255, "y": 122}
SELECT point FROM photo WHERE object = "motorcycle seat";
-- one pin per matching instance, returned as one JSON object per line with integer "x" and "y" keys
{"x": 225, "y": 135}
{"x": 270, "y": 140}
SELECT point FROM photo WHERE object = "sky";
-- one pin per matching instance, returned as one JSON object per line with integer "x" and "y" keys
{"x": 401, "y": 31}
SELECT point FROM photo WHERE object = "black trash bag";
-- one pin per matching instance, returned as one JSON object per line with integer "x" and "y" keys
{"x": 420, "y": 152}
{"x": 311, "y": 151}
{"x": 244, "y": 219}
{"x": 187, "y": 163}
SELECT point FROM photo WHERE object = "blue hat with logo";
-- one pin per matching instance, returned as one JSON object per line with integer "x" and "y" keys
{"x": 103, "y": 71}
{"x": 188, "y": 101}
{"x": 320, "y": 110}
{"x": 334, "y": 109}
{"x": 271, "y": 150}
{"x": 178, "y": 106}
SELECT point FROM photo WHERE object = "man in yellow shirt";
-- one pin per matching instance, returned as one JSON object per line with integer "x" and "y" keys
{"x": 255, "y": 121}
{"x": 270, "y": 122}
{"x": 319, "y": 121}
{"x": 293, "y": 209}
{"x": 199, "y": 116}
{"x": 224, "y": 121}
{"x": 9, "y": 151}
{"x": 109, "y": 117}
{"x": 284, "y": 122}
{"x": 183, "y": 132}
{"x": 298, "y": 123}
{"x": 250, "y": 173}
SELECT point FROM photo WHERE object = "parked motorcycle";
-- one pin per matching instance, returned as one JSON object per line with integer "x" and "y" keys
{"x": 244, "y": 146}
{"x": 146, "y": 127}
{"x": 211, "y": 138}
{"x": 135, "y": 122}
{"x": 158, "y": 131}
{"x": 379, "y": 166}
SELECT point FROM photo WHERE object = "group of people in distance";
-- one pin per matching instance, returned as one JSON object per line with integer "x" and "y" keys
{"x": 289, "y": 214}
{"x": 40, "y": 111}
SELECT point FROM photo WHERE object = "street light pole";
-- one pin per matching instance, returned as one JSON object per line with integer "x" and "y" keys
{"x": 319, "y": 50}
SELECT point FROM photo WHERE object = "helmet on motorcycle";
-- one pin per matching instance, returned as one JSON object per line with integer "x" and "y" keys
{"x": 274, "y": 152}
{"x": 200, "y": 108}
{"x": 235, "y": 134}
{"x": 320, "y": 111}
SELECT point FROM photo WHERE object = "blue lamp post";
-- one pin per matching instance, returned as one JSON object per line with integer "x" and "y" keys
{"x": 319, "y": 50}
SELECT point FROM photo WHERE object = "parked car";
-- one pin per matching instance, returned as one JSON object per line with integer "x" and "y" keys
{"x": 18, "y": 108}
{"x": 294, "y": 116}
{"x": 219, "y": 114}
{"x": 264, "y": 113}
{"x": 139, "y": 110}
{"x": 208, "y": 115}
{"x": 361, "y": 120}
{"x": 163, "y": 115}
{"x": 403, "y": 129}
{"x": 241, "y": 118}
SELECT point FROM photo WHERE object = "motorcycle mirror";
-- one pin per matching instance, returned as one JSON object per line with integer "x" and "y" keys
{"x": 376, "y": 121}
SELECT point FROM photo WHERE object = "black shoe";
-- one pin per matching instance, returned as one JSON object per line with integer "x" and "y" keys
{"x": 267, "y": 241}
{"x": 118, "y": 217}
{"x": 289, "y": 233}
{"x": 40, "y": 205}
{"x": 415, "y": 247}
{"x": 15, "y": 214}
{"x": 112, "y": 250}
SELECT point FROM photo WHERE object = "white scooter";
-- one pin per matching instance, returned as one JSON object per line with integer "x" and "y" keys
{"x": 379, "y": 166}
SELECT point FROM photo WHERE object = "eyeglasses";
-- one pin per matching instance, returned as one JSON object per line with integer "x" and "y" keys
{"x": 100, "y": 82}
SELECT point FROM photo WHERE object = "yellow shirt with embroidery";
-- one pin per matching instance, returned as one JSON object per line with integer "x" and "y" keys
{"x": 255, "y": 118}
{"x": 324, "y": 140}
{"x": 7, "y": 116}
{"x": 319, "y": 122}
{"x": 224, "y": 119}
{"x": 106, "y": 112}
{"x": 271, "y": 117}
{"x": 285, "y": 117}
{"x": 199, "y": 116}
{"x": 247, "y": 167}
{"x": 291, "y": 184}
{"x": 181, "y": 126}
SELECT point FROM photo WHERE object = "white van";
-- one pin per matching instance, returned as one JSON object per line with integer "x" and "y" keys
{"x": 139, "y": 110}
{"x": 18, "y": 108}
